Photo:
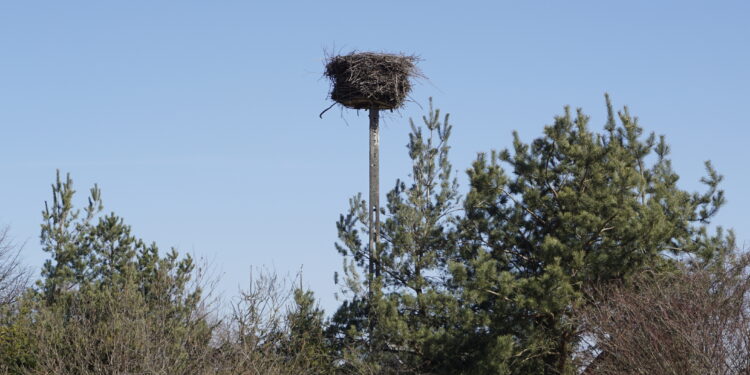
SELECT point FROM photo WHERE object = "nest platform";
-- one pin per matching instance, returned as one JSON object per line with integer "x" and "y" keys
{"x": 371, "y": 80}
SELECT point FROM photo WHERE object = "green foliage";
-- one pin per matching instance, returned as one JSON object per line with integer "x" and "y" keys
{"x": 108, "y": 302}
{"x": 306, "y": 343}
{"x": 492, "y": 282}
{"x": 17, "y": 347}
{"x": 88, "y": 256}
{"x": 410, "y": 292}
{"x": 493, "y": 290}
{"x": 580, "y": 209}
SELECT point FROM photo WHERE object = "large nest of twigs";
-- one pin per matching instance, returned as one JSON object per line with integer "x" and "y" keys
{"x": 371, "y": 80}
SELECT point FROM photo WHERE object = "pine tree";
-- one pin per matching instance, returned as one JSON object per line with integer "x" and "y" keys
{"x": 306, "y": 344}
{"x": 578, "y": 209}
{"x": 410, "y": 291}
{"x": 108, "y": 298}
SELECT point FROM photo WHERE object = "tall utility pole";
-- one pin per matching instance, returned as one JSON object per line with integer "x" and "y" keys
{"x": 373, "y": 215}
{"x": 374, "y": 203}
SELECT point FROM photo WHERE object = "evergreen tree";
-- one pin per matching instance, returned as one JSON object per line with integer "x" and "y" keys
{"x": 493, "y": 290}
{"x": 306, "y": 343}
{"x": 578, "y": 209}
{"x": 107, "y": 298}
{"x": 411, "y": 289}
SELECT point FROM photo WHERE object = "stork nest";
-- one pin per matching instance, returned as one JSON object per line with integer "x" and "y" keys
{"x": 371, "y": 80}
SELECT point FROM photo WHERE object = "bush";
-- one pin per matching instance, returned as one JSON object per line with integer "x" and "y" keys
{"x": 695, "y": 320}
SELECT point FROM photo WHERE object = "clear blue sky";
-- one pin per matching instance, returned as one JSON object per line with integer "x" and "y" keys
{"x": 199, "y": 119}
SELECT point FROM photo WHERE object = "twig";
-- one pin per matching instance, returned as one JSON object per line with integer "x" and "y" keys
{"x": 326, "y": 110}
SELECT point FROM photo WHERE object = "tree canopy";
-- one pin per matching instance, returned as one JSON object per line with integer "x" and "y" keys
{"x": 504, "y": 276}
{"x": 496, "y": 283}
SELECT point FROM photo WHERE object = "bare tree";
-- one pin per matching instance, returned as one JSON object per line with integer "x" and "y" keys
{"x": 692, "y": 321}
{"x": 13, "y": 276}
